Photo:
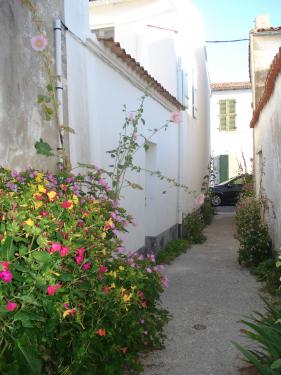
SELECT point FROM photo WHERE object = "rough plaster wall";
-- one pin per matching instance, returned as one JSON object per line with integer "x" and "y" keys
{"x": 267, "y": 141}
{"x": 22, "y": 78}
{"x": 265, "y": 47}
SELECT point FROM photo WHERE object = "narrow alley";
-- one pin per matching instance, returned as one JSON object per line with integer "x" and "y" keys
{"x": 208, "y": 294}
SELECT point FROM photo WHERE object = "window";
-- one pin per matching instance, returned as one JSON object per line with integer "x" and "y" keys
{"x": 182, "y": 86}
{"x": 227, "y": 114}
{"x": 194, "y": 93}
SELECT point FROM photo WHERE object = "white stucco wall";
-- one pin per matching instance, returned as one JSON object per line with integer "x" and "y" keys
{"x": 235, "y": 143}
{"x": 97, "y": 93}
{"x": 178, "y": 35}
{"x": 267, "y": 135}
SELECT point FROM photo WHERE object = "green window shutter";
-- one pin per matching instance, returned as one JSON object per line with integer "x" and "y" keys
{"x": 224, "y": 167}
{"x": 227, "y": 114}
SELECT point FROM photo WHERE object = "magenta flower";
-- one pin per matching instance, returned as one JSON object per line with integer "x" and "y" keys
{"x": 39, "y": 42}
{"x": 199, "y": 200}
{"x": 6, "y": 276}
{"x": 11, "y": 306}
{"x": 64, "y": 251}
{"x": 52, "y": 289}
{"x": 86, "y": 266}
{"x": 175, "y": 117}
{"x": 103, "y": 182}
{"x": 79, "y": 259}
{"x": 55, "y": 247}
{"x": 102, "y": 269}
{"x": 5, "y": 266}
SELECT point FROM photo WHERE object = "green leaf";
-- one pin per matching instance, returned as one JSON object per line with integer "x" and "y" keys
{"x": 26, "y": 350}
{"x": 43, "y": 148}
{"x": 42, "y": 257}
{"x": 276, "y": 364}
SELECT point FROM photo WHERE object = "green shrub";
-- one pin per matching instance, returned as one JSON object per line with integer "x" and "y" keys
{"x": 265, "y": 331}
{"x": 172, "y": 250}
{"x": 268, "y": 273}
{"x": 193, "y": 226}
{"x": 70, "y": 301}
{"x": 252, "y": 233}
{"x": 207, "y": 211}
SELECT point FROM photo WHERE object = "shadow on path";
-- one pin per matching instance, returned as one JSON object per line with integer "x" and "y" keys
{"x": 209, "y": 293}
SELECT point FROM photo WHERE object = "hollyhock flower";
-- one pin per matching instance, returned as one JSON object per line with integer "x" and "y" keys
{"x": 175, "y": 117}
{"x": 165, "y": 282}
{"x": 52, "y": 289}
{"x": 39, "y": 42}
{"x": 6, "y": 276}
{"x": 11, "y": 306}
{"x": 67, "y": 204}
{"x": 148, "y": 270}
{"x": 64, "y": 251}
{"x": 101, "y": 332}
{"x": 199, "y": 200}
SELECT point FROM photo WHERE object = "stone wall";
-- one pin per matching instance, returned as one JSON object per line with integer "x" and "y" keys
{"x": 22, "y": 78}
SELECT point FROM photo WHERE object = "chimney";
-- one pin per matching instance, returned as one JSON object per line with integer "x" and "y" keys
{"x": 262, "y": 21}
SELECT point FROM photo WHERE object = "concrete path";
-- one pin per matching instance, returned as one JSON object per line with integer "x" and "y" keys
{"x": 209, "y": 293}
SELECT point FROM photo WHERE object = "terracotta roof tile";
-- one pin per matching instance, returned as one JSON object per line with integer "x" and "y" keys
{"x": 138, "y": 69}
{"x": 230, "y": 86}
{"x": 277, "y": 28}
{"x": 274, "y": 71}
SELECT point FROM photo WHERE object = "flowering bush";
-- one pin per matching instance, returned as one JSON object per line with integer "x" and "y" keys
{"x": 71, "y": 302}
{"x": 252, "y": 233}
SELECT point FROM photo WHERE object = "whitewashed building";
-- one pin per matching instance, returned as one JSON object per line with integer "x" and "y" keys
{"x": 231, "y": 137}
{"x": 168, "y": 41}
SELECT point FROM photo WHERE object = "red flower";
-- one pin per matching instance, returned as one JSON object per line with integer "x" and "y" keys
{"x": 101, "y": 332}
{"x": 67, "y": 204}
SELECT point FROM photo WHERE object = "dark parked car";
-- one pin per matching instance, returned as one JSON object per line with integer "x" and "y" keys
{"x": 227, "y": 192}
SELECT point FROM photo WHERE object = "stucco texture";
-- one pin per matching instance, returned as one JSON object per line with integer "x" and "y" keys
{"x": 22, "y": 78}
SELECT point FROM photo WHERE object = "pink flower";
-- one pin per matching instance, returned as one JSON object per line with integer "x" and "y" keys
{"x": 5, "y": 266}
{"x": 141, "y": 321}
{"x": 102, "y": 269}
{"x": 11, "y": 306}
{"x": 165, "y": 282}
{"x": 103, "y": 182}
{"x": 39, "y": 42}
{"x": 148, "y": 270}
{"x": 145, "y": 333}
{"x": 79, "y": 259}
{"x": 175, "y": 117}
{"x": 55, "y": 247}
{"x": 67, "y": 204}
{"x": 199, "y": 200}
{"x": 52, "y": 289}
{"x": 6, "y": 276}
{"x": 64, "y": 251}
{"x": 86, "y": 266}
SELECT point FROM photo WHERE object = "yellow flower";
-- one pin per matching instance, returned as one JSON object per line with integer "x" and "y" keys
{"x": 38, "y": 204}
{"x": 75, "y": 199}
{"x": 29, "y": 222}
{"x": 113, "y": 274}
{"x": 121, "y": 268}
{"x": 52, "y": 195}
{"x": 112, "y": 286}
{"x": 103, "y": 235}
{"x": 127, "y": 297}
{"x": 66, "y": 312}
{"x": 39, "y": 177}
{"x": 42, "y": 189}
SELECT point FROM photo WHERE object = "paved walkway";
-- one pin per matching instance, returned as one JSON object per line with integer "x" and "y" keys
{"x": 209, "y": 293}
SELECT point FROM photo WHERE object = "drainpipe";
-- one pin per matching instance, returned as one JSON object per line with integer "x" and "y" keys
{"x": 179, "y": 166}
{"x": 59, "y": 88}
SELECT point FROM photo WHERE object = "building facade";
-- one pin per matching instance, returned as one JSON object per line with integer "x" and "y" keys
{"x": 231, "y": 137}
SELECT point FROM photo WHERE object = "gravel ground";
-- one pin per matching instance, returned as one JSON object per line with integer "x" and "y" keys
{"x": 209, "y": 293}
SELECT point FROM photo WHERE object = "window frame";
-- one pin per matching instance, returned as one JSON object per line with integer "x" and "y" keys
{"x": 227, "y": 115}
